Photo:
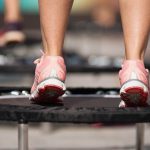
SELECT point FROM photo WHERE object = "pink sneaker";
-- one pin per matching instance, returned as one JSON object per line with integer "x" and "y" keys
{"x": 134, "y": 80}
{"x": 50, "y": 75}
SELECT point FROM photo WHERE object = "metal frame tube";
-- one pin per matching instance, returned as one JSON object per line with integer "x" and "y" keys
{"x": 22, "y": 136}
{"x": 140, "y": 136}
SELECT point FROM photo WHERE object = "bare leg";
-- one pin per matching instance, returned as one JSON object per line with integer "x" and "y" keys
{"x": 12, "y": 11}
{"x": 54, "y": 17}
{"x": 133, "y": 75}
{"x": 136, "y": 26}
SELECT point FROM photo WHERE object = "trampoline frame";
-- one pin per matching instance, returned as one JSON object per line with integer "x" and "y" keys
{"x": 23, "y": 136}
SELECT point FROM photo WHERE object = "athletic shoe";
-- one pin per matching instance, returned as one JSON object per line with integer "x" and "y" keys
{"x": 134, "y": 80}
{"x": 11, "y": 33}
{"x": 50, "y": 75}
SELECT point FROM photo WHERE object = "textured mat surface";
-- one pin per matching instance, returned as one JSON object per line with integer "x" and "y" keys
{"x": 77, "y": 107}
{"x": 22, "y": 109}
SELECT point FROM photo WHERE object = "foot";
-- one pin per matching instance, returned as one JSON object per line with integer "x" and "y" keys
{"x": 49, "y": 79}
{"x": 134, "y": 80}
{"x": 11, "y": 33}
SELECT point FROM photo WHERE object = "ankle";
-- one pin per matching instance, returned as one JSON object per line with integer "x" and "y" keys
{"x": 53, "y": 52}
{"x": 135, "y": 56}
{"x": 13, "y": 19}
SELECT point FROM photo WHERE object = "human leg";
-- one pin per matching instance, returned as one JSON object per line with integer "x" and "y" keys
{"x": 54, "y": 17}
{"x": 135, "y": 16}
{"x": 51, "y": 71}
{"x": 12, "y": 11}
{"x": 133, "y": 75}
{"x": 12, "y": 30}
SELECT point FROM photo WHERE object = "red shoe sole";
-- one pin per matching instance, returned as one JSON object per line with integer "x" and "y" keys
{"x": 49, "y": 94}
{"x": 134, "y": 97}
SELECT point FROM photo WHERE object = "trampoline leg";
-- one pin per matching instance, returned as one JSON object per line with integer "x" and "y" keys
{"x": 22, "y": 136}
{"x": 140, "y": 136}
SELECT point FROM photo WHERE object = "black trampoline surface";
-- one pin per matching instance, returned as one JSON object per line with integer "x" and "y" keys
{"x": 76, "y": 108}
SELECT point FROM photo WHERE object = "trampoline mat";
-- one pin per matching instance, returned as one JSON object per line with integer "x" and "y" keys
{"x": 20, "y": 109}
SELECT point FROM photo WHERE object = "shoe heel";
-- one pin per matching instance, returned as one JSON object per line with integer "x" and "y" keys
{"x": 134, "y": 93}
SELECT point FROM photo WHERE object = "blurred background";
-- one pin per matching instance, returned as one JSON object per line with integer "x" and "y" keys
{"x": 93, "y": 52}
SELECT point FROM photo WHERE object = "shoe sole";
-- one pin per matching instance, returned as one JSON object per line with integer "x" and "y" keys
{"x": 48, "y": 91}
{"x": 134, "y": 93}
{"x": 14, "y": 37}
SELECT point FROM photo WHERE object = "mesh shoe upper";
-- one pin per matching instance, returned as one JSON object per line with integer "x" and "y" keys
{"x": 49, "y": 67}
{"x": 134, "y": 69}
